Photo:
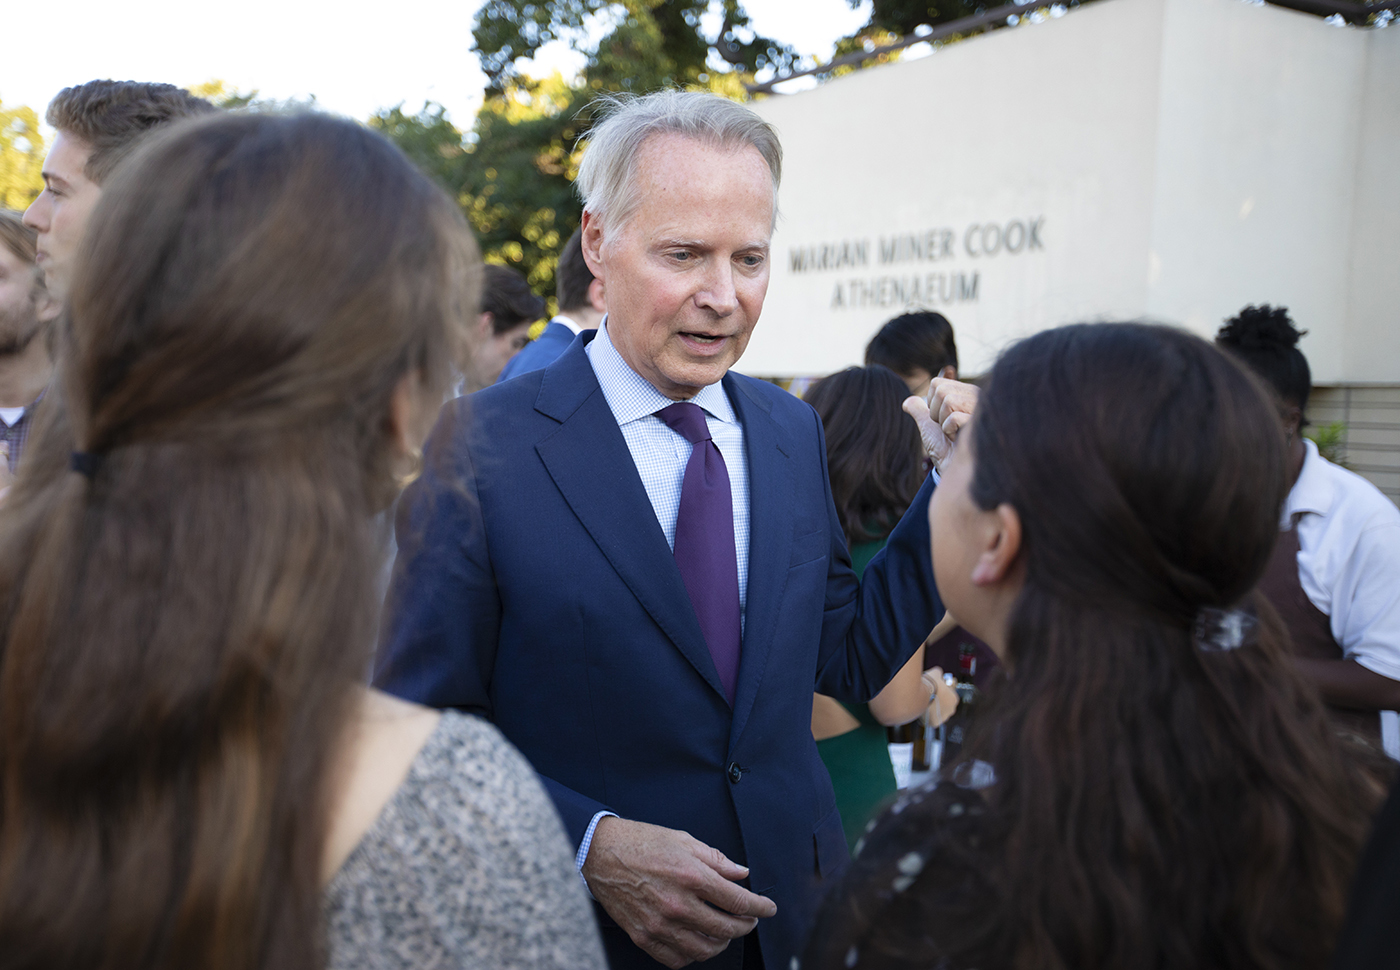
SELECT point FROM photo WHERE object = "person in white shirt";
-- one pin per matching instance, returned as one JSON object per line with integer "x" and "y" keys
{"x": 1335, "y": 575}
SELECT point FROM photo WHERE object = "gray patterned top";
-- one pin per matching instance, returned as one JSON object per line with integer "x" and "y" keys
{"x": 467, "y": 866}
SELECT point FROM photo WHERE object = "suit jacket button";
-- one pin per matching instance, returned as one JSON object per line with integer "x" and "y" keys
{"x": 735, "y": 772}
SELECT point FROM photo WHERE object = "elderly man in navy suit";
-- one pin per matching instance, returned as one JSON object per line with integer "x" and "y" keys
{"x": 630, "y": 562}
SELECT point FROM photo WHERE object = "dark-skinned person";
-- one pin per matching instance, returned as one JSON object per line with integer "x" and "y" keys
{"x": 1335, "y": 574}
{"x": 260, "y": 327}
{"x": 1153, "y": 783}
{"x": 875, "y": 462}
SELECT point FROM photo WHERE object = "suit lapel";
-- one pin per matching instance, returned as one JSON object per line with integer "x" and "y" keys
{"x": 589, "y": 461}
{"x": 770, "y": 539}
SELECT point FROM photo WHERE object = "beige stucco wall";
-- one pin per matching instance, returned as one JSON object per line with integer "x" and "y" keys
{"x": 1178, "y": 158}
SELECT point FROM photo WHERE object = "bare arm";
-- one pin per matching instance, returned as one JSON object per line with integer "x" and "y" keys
{"x": 1345, "y": 683}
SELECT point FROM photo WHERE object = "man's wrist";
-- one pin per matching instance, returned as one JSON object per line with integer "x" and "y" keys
{"x": 582, "y": 855}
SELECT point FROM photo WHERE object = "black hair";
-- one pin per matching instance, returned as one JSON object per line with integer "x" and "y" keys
{"x": 509, "y": 300}
{"x": 1153, "y": 801}
{"x": 1265, "y": 339}
{"x": 573, "y": 277}
{"x": 922, "y": 340}
{"x": 874, "y": 455}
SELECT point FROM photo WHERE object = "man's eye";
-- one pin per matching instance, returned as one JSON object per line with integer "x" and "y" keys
{"x": 680, "y": 256}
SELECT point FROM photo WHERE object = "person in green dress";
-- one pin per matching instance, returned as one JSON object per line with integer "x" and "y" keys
{"x": 875, "y": 461}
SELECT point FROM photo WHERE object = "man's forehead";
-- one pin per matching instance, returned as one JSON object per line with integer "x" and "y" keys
{"x": 666, "y": 150}
{"x": 685, "y": 170}
{"x": 67, "y": 158}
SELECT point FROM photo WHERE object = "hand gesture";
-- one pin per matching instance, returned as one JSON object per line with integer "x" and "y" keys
{"x": 943, "y": 699}
{"x": 949, "y": 406}
{"x": 677, "y": 898}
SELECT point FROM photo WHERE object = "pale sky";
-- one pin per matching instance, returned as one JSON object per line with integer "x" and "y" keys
{"x": 356, "y": 57}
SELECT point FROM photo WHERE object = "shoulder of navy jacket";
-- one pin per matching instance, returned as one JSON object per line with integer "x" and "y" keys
{"x": 567, "y": 382}
{"x": 756, "y": 400}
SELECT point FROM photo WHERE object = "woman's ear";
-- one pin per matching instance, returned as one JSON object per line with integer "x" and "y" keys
{"x": 408, "y": 419}
{"x": 1002, "y": 546}
{"x": 47, "y": 307}
{"x": 949, "y": 372}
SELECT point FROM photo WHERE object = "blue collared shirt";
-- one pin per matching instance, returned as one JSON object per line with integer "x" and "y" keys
{"x": 660, "y": 454}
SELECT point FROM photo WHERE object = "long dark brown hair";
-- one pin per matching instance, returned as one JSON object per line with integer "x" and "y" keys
{"x": 187, "y": 615}
{"x": 1155, "y": 803}
{"x": 874, "y": 456}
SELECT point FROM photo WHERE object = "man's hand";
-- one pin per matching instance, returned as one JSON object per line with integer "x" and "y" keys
{"x": 949, "y": 406}
{"x": 675, "y": 896}
{"x": 943, "y": 699}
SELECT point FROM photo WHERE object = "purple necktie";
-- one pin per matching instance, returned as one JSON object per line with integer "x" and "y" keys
{"x": 705, "y": 541}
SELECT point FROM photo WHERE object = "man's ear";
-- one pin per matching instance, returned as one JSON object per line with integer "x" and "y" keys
{"x": 1002, "y": 546}
{"x": 597, "y": 296}
{"x": 485, "y": 324}
{"x": 949, "y": 372}
{"x": 591, "y": 242}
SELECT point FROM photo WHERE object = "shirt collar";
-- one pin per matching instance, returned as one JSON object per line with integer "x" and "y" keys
{"x": 1313, "y": 491}
{"x": 632, "y": 396}
{"x": 569, "y": 322}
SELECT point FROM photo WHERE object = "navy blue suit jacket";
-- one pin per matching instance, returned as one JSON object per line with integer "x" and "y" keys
{"x": 535, "y": 587}
{"x": 540, "y": 352}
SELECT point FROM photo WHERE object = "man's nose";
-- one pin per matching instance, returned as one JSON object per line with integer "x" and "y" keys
{"x": 36, "y": 217}
{"x": 718, "y": 294}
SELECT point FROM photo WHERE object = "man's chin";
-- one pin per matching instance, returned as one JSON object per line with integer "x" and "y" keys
{"x": 693, "y": 375}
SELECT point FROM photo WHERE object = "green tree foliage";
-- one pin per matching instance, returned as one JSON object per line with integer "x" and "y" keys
{"x": 513, "y": 172}
{"x": 1331, "y": 441}
{"x": 649, "y": 44}
{"x": 21, "y": 157}
{"x": 904, "y": 16}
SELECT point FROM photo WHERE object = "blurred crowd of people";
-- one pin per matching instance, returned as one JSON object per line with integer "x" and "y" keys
{"x": 650, "y": 621}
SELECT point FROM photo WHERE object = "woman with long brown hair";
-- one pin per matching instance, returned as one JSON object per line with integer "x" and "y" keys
{"x": 1152, "y": 785}
{"x": 257, "y": 337}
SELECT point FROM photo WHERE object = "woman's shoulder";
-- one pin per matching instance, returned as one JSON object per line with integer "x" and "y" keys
{"x": 919, "y": 889}
{"x": 467, "y": 862}
{"x": 472, "y": 787}
{"x": 468, "y": 756}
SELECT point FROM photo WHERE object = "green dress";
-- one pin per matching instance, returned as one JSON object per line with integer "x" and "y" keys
{"x": 859, "y": 760}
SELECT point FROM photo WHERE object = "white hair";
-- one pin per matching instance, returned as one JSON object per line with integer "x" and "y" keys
{"x": 607, "y": 175}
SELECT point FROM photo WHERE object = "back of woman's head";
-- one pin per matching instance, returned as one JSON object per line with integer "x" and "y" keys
{"x": 186, "y": 618}
{"x": 1163, "y": 800}
{"x": 1145, "y": 465}
{"x": 873, "y": 452}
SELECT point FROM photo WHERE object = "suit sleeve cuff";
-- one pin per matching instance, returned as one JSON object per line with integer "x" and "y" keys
{"x": 582, "y": 855}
